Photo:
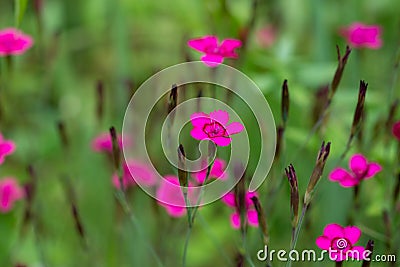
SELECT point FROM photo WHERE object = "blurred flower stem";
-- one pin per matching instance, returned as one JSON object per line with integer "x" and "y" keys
{"x": 121, "y": 196}
{"x": 191, "y": 212}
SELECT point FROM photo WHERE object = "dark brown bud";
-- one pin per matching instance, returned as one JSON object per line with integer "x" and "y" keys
{"x": 63, "y": 134}
{"x": 182, "y": 173}
{"x": 294, "y": 194}
{"x": 359, "y": 109}
{"x": 342, "y": 61}
{"x": 100, "y": 100}
{"x": 285, "y": 102}
{"x": 115, "y": 149}
{"x": 261, "y": 219}
{"x": 317, "y": 172}
{"x": 172, "y": 101}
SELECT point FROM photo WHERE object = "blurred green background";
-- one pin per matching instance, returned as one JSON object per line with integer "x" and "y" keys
{"x": 120, "y": 44}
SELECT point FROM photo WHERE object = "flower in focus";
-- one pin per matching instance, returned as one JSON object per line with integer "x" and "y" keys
{"x": 251, "y": 213}
{"x": 7, "y": 147}
{"x": 10, "y": 192}
{"x": 170, "y": 196}
{"x": 360, "y": 168}
{"x": 14, "y": 42}
{"x": 396, "y": 130}
{"x": 103, "y": 143}
{"x": 361, "y": 35}
{"x": 217, "y": 171}
{"x": 214, "y": 127}
{"x": 339, "y": 241}
{"x": 215, "y": 52}
{"x": 142, "y": 175}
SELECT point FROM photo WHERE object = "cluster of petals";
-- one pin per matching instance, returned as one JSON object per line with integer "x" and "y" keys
{"x": 214, "y": 127}
{"x": 135, "y": 172}
{"x": 360, "y": 169}
{"x": 10, "y": 191}
{"x": 362, "y": 35}
{"x": 7, "y": 147}
{"x": 14, "y": 42}
{"x": 214, "y": 51}
{"x": 340, "y": 242}
{"x": 217, "y": 171}
{"x": 103, "y": 143}
{"x": 251, "y": 214}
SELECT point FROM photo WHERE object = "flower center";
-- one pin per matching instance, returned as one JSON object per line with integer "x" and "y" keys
{"x": 340, "y": 244}
{"x": 214, "y": 129}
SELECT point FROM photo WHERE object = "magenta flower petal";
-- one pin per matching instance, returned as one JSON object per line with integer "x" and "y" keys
{"x": 323, "y": 242}
{"x": 14, "y": 42}
{"x": 333, "y": 230}
{"x": 103, "y": 143}
{"x": 234, "y": 128}
{"x": 373, "y": 168}
{"x": 349, "y": 182}
{"x": 235, "y": 220}
{"x": 205, "y": 44}
{"x": 198, "y": 134}
{"x": 217, "y": 171}
{"x": 175, "y": 211}
{"x": 338, "y": 255}
{"x": 352, "y": 233}
{"x": 339, "y": 174}
{"x": 199, "y": 119}
{"x": 359, "y": 255}
{"x": 137, "y": 171}
{"x": 222, "y": 141}
{"x": 229, "y": 199}
{"x": 10, "y": 191}
{"x": 221, "y": 116}
{"x": 358, "y": 164}
{"x": 361, "y": 35}
{"x": 228, "y": 46}
{"x": 252, "y": 218}
{"x": 396, "y": 130}
{"x": 212, "y": 60}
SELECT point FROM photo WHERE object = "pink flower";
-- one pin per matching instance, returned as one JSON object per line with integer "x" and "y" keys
{"x": 396, "y": 130}
{"x": 214, "y": 127}
{"x": 10, "y": 192}
{"x": 214, "y": 53}
{"x": 7, "y": 147}
{"x": 141, "y": 172}
{"x": 103, "y": 143}
{"x": 266, "y": 36}
{"x": 14, "y": 42}
{"x": 217, "y": 171}
{"x": 361, "y": 35}
{"x": 170, "y": 196}
{"x": 251, "y": 213}
{"x": 360, "y": 168}
{"x": 339, "y": 241}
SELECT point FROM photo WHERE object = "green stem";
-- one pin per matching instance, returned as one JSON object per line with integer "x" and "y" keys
{"x": 185, "y": 248}
{"x": 297, "y": 232}
{"x": 121, "y": 197}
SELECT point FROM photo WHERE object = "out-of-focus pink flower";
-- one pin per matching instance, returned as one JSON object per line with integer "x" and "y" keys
{"x": 7, "y": 147}
{"x": 215, "y": 52}
{"x": 14, "y": 42}
{"x": 214, "y": 127}
{"x": 171, "y": 197}
{"x": 10, "y": 192}
{"x": 361, "y": 35}
{"x": 217, "y": 171}
{"x": 266, "y": 36}
{"x": 339, "y": 241}
{"x": 142, "y": 173}
{"x": 396, "y": 130}
{"x": 103, "y": 143}
{"x": 360, "y": 168}
{"x": 251, "y": 213}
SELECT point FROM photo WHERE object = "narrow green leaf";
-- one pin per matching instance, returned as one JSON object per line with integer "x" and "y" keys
{"x": 20, "y": 8}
